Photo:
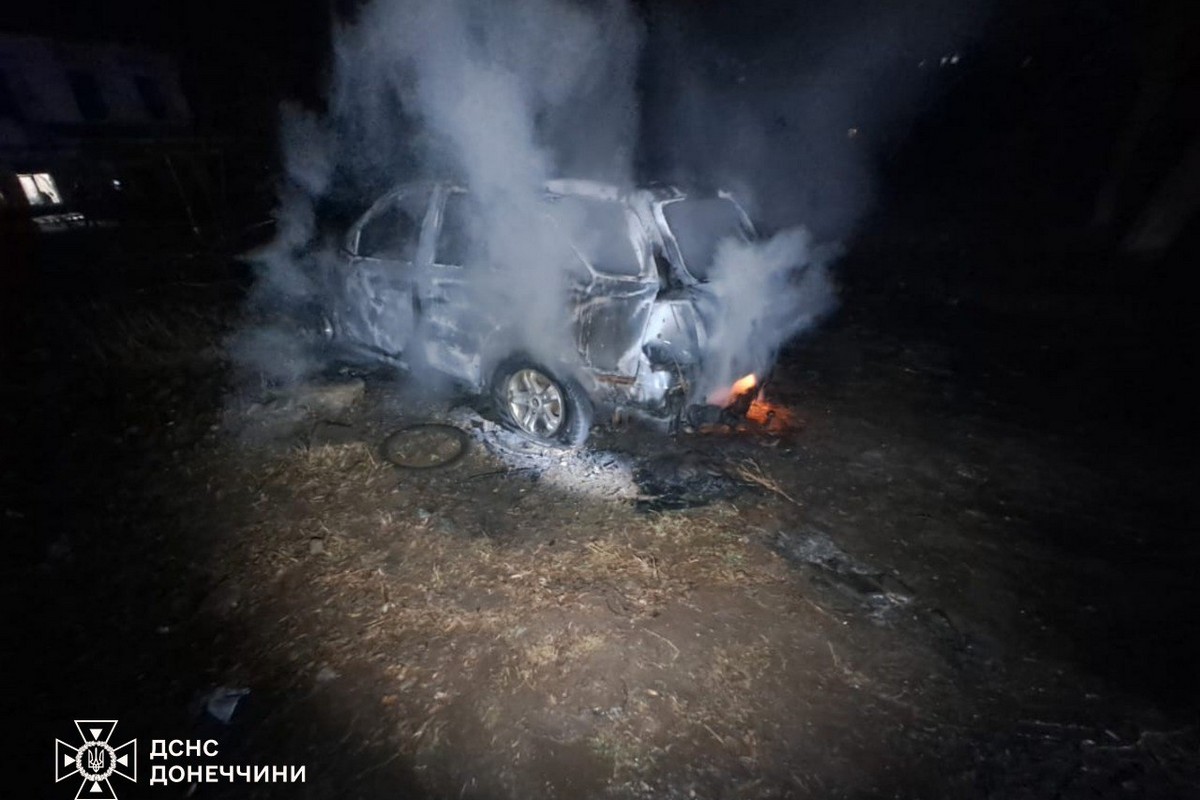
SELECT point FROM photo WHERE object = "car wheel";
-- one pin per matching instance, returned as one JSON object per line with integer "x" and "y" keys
{"x": 539, "y": 405}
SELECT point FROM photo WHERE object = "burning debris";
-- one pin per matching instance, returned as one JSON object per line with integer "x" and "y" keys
{"x": 741, "y": 387}
{"x": 773, "y": 418}
{"x": 767, "y": 292}
{"x": 744, "y": 408}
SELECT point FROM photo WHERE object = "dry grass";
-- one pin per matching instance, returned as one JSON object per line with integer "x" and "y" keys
{"x": 348, "y": 493}
{"x": 752, "y": 472}
{"x": 145, "y": 332}
{"x": 549, "y": 620}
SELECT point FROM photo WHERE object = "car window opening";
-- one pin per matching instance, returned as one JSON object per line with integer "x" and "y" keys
{"x": 454, "y": 239}
{"x": 394, "y": 232}
{"x": 699, "y": 226}
{"x": 599, "y": 230}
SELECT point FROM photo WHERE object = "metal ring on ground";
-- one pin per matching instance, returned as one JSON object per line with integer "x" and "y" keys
{"x": 440, "y": 455}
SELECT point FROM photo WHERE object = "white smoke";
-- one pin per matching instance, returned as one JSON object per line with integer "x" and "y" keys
{"x": 495, "y": 97}
{"x": 768, "y": 292}
{"x": 791, "y": 106}
{"x": 502, "y": 98}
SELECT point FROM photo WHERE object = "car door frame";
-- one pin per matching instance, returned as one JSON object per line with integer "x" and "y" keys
{"x": 616, "y": 293}
{"x": 444, "y": 306}
{"x": 377, "y": 303}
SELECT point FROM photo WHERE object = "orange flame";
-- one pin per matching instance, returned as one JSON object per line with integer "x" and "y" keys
{"x": 771, "y": 419}
{"x": 776, "y": 419}
{"x": 723, "y": 397}
{"x": 743, "y": 385}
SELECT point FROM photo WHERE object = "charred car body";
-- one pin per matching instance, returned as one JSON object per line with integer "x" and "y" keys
{"x": 635, "y": 310}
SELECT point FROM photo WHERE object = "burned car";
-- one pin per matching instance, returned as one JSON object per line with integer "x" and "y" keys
{"x": 635, "y": 309}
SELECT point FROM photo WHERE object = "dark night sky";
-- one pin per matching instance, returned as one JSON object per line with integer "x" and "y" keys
{"x": 1040, "y": 97}
{"x": 238, "y": 58}
{"x": 241, "y": 58}
{"x": 237, "y": 53}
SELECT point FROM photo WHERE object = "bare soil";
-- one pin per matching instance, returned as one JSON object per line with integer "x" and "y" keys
{"x": 929, "y": 588}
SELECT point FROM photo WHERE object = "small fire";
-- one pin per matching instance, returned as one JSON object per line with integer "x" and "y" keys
{"x": 744, "y": 385}
{"x": 769, "y": 417}
{"x": 775, "y": 418}
{"x": 723, "y": 397}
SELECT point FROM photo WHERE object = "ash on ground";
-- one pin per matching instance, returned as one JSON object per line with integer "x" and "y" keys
{"x": 587, "y": 471}
{"x": 675, "y": 481}
{"x": 842, "y": 580}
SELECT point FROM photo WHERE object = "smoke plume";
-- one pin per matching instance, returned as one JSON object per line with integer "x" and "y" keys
{"x": 768, "y": 292}
{"x": 503, "y": 97}
{"x": 497, "y": 98}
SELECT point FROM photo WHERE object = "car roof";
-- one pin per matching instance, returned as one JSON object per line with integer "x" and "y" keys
{"x": 654, "y": 192}
{"x": 583, "y": 188}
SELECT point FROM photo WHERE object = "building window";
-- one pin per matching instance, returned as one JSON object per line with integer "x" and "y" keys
{"x": 40, "y": 189}
{"x": 88, "y": 96}
{"x": 152, "y": 96}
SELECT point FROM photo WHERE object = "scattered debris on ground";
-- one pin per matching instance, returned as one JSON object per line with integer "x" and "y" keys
{"x": 586, "y": 472}
{"x": 688, "y": 479}
{"x": 425, "y": 445}
{"x": 866, "y": 607}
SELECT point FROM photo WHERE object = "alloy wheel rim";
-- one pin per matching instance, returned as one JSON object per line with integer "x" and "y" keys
{"x": 535, "y": 403}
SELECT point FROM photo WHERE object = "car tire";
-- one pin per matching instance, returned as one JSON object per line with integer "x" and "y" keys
{"x": 541, "y": 405}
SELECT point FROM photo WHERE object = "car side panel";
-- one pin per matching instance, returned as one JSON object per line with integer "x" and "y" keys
{"x": 376, "y": 307}
{"x": 452, "y": 326}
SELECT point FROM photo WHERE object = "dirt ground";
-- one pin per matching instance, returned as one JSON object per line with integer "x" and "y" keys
{"x": 936, "y": 585}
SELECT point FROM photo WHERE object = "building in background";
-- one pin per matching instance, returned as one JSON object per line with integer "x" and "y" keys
{"x": 97, "y": 134}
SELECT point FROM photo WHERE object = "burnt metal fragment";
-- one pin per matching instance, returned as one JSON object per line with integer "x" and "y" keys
{"x": 424, "y": 446}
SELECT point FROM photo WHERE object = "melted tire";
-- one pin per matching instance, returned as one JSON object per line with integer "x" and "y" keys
{"x": 577, "y": 406}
